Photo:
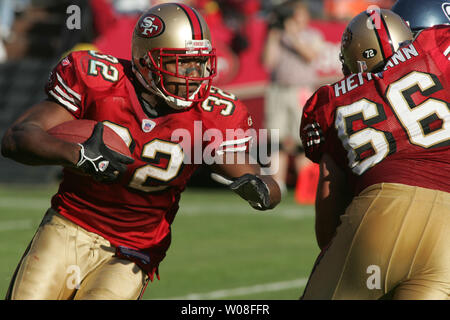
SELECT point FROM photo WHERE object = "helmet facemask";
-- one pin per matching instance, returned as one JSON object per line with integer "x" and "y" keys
{"x": 163, "y": 64}
{"x": 188, "y": 68}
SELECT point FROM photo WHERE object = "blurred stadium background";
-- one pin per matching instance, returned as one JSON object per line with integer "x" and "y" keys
{"x": 221, "y": 249}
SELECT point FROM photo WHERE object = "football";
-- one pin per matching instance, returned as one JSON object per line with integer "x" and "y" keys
{"x": 78, "y": 131}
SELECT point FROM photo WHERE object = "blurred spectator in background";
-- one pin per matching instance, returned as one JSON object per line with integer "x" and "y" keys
{"x": 38, "y": 29}
{"x": 289, "y": 55}
{"x": 8, "y": 9}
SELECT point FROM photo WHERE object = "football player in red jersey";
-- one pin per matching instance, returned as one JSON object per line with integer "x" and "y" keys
{"x": 382, "y": 139}
{"x": 107, "y": 230}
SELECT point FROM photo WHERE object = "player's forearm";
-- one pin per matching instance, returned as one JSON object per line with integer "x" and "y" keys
{"x": 328, "y": 213}
{"x": 327, "y": 221}
{"x": 332, "y": 199}
{"x": 28, "y": 144}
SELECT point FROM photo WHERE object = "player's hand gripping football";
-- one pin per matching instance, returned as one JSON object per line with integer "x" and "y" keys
{"x": 99, "y": 161}
{"x": 249, "y": 187}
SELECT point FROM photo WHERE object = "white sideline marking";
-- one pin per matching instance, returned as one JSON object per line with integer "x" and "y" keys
{"x": 268, "y": 287}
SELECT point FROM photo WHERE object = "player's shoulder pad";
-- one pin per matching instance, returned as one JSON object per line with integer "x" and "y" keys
{"x": 319, "y": 99}
{"x": 94, "y": 68}
{"x": 80, "y": 72}
{"x": 314, "y": 122}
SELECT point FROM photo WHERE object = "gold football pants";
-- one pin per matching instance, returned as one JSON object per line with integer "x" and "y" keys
{"x": 64, "y": 261}
{"x": 393, "y": 242}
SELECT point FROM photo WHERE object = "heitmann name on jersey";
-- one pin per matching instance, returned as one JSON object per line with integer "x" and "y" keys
{"x": 213, "y": 146}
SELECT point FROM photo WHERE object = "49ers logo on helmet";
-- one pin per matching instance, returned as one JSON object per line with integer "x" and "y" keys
{"x": 150, "y": 26}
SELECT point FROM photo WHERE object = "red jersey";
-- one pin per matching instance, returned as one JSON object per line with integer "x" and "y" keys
{"x": 393, "y": 126}
{"x": 137, "y": 210}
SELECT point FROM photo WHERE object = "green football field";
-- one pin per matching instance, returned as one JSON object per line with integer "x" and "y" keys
{"x": 221, "y": 247}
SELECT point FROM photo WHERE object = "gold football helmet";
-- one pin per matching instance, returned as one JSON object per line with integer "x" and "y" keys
{"x": 173, "y": 32}
{"x": 370, "y": 39}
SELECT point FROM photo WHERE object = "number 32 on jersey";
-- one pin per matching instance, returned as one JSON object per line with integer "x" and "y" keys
{"x": 416, "y": 120}
{"x": 152, "y": 152}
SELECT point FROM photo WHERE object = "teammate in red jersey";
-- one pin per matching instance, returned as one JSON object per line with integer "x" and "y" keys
{"x": 382, "y": 139}
{"x": 106, "y": 232}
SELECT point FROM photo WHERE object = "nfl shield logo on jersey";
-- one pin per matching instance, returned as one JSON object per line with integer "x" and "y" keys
{"x": 65, "y": 62}
{"x": 148, "y": 125}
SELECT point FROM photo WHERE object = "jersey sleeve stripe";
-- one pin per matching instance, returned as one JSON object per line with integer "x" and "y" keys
{"x": 447, "y": 52}
{"x": 68, "y": 89}
{"x": 67, "y": 104}
{"x": 63, "y": 94}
